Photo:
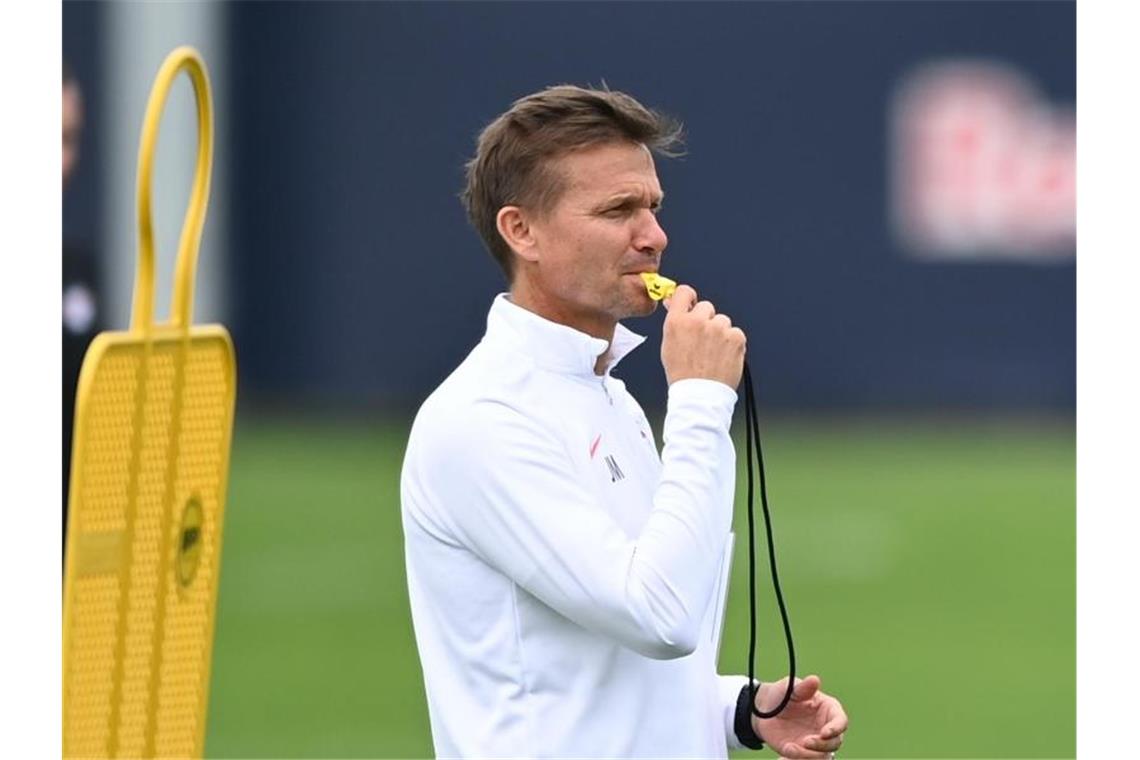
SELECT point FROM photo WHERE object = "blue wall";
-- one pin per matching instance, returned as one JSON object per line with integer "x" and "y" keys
{"x": 357, "y": 280}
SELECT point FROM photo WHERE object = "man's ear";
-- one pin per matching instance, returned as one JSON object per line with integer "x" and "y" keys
{"x": 515, "y": 227}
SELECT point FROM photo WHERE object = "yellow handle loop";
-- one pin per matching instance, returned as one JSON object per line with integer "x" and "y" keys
{"x": 142, "y": 313}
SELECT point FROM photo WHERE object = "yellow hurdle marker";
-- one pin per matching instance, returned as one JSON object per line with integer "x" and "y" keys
{"x": 153, "y": 423}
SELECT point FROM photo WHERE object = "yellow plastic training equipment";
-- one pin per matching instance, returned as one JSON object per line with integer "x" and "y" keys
{"x": 658, "y": 286}
{"x": 153, "y": 423}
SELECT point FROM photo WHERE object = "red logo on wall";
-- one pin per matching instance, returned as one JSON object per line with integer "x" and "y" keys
{"x": 983, "y": 166}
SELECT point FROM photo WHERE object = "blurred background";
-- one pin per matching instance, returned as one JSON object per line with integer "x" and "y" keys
{"x": 882, "y": 194}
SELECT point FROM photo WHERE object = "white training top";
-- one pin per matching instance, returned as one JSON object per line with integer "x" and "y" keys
{"x": 566, "y": 580}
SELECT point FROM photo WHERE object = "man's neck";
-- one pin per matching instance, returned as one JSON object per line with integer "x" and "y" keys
{"x": 603, "y": 362}
{"x": 553, "y": 311}
{"x": 549, "y": 309}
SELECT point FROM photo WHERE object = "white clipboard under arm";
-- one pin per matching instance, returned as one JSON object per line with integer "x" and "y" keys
{"x": 721, "y": 596}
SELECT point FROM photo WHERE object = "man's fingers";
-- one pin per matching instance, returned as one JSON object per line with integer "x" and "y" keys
{"x": 805, "y": 688}
{"x": 696, "y": 344}
{"x": 836, "y": 720}
{"x": 821, "y": 744}
{"x": 682, "y": 299}
{"x": 798, "y": 751}
{"x": 704, "y": 309}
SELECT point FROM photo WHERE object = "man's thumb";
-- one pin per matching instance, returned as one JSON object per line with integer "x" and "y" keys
{"x": 683, "y": 297}
{"x": 806, "y": 688}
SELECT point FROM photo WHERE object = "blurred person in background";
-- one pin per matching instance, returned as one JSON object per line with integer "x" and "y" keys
{"x": 80, "y": 283}
{"x": 562, "y": 573}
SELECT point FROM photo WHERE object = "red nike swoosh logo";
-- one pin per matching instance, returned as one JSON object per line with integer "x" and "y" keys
{"x": 594, "y": 445}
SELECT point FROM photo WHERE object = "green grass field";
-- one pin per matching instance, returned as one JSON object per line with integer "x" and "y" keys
{"x": 929, "y": 570}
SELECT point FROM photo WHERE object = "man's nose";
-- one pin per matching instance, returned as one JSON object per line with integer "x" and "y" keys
{"x": 651, "y": 238}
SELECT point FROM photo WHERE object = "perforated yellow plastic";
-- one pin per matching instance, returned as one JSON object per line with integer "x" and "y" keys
{"x": 153, "y": 424}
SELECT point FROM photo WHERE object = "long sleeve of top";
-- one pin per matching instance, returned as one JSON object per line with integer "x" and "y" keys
{"x": 564, "y": 578}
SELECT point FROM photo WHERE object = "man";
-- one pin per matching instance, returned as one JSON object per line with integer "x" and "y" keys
{"x": 80, "y": 284}
{"x": 562, "y": 574}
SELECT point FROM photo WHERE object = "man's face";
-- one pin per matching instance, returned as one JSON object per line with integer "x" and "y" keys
{"x": 602, "y": 232}
{"x": 72, "y": 126}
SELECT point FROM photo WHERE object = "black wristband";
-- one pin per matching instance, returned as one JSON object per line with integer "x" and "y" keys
{"x": 742, "y": 724}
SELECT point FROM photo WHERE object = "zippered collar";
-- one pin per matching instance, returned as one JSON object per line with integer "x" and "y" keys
{"x": 555, "y": 347}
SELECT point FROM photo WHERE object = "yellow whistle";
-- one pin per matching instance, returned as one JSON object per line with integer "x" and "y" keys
{"x": 659, "y": 287}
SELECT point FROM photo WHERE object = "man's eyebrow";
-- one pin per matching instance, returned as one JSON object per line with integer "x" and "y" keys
{"x": 626, "y": 197}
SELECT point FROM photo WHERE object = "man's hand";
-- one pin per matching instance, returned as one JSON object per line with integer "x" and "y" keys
{"x": 698, "y": 342}
{"x": 810, "y": 726}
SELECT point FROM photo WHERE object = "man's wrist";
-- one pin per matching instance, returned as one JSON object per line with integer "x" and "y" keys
{"x": 742, "y": 725}
{"x": 701, "y": 401}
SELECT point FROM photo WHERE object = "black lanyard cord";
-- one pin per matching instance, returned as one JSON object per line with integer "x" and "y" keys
{"x": 751, "y": 435}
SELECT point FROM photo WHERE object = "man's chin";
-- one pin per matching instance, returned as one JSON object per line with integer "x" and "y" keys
{"x": 643, "y": 307}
